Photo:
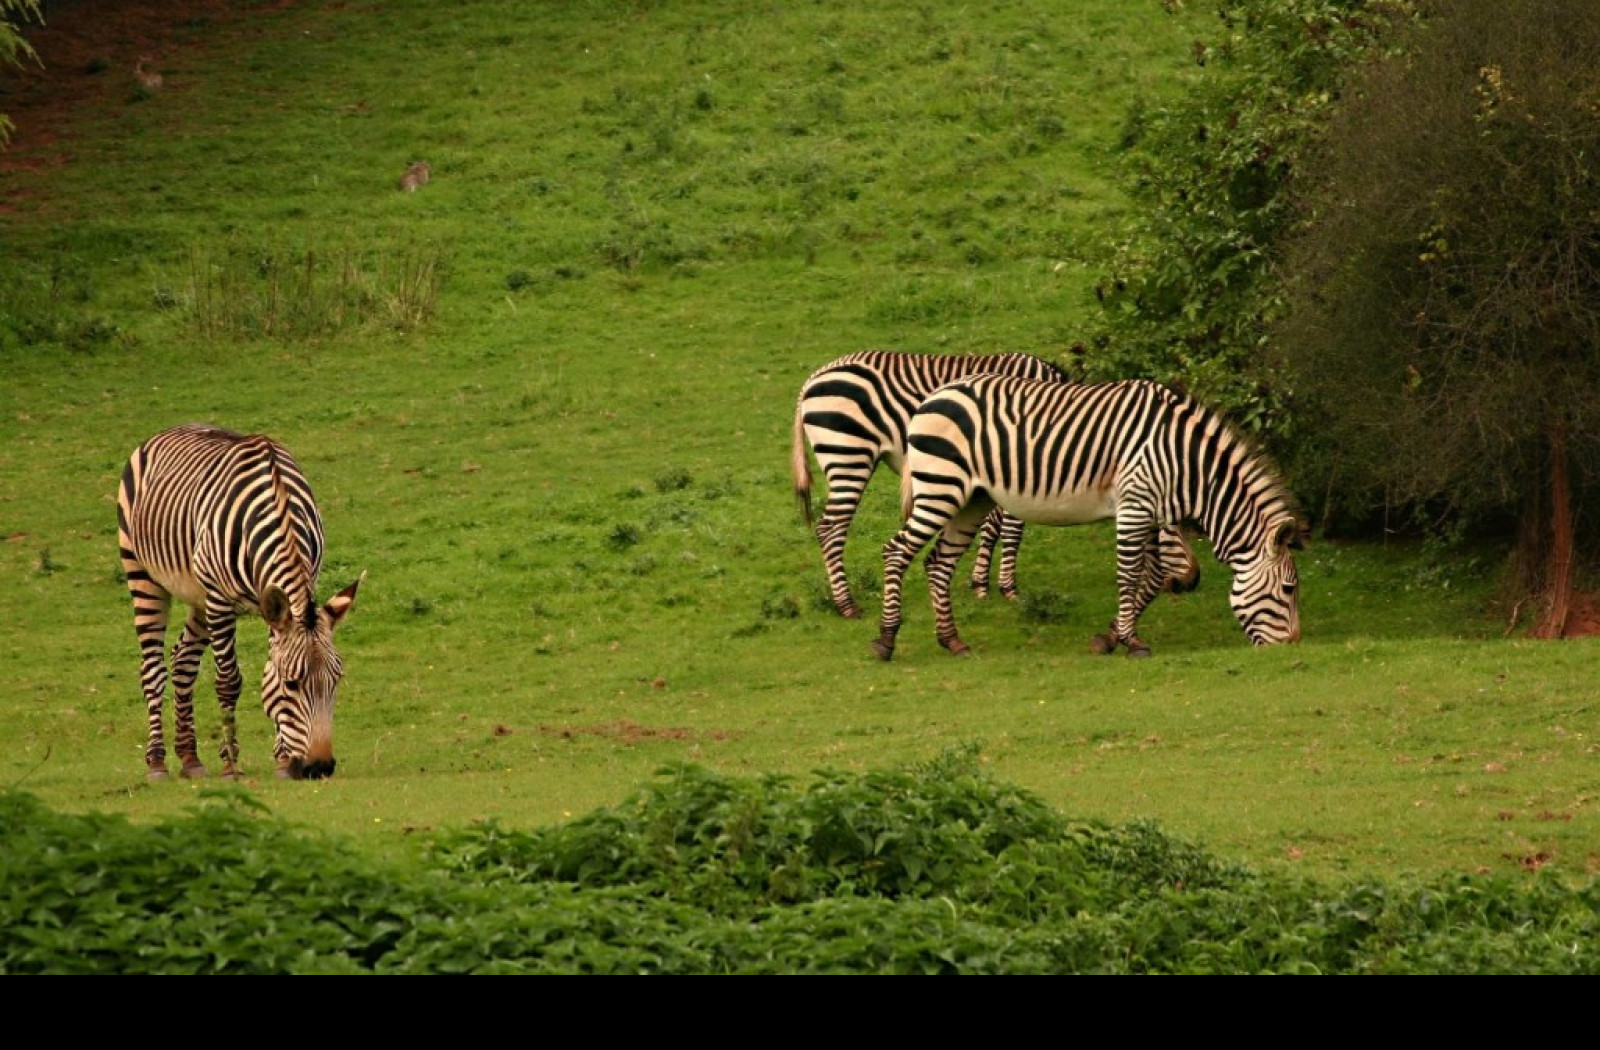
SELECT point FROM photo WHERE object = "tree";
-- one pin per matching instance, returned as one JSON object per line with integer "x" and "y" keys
{"x": 12, "y": 47}
{"x": 1192, "y": 285}
{"x": 1445, "y": 291}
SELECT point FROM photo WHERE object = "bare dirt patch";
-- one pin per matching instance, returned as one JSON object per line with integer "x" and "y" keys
{"x": 631, "y": 733}
{"x": 1583, "y": 616}
{"x": 87, "y": 51}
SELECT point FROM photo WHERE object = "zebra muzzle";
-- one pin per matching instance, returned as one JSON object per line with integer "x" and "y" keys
{"x": 307, "y": 769}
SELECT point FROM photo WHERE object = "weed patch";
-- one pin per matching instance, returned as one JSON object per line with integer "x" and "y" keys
{"x": 244, "y": 291}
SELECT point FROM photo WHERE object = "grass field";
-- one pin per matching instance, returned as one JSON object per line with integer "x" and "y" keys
{"x": 545, "y": 402}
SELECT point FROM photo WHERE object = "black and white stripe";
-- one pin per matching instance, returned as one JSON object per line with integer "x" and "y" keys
{"x": 854, "y": 413}
{"x": 227, "y": 523}
{"x": 1062, "y": 454}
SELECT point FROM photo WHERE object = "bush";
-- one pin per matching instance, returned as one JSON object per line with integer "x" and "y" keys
{"x": 930, "y": 869}
{"x": 1192, "y": 285}
{"x": 1446, "y": 288}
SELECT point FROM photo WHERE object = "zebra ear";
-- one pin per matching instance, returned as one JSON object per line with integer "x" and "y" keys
{"x": 338, "y": 606}
{"x": 275, "y": 608}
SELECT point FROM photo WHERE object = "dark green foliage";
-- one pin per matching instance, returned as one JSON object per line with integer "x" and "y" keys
{"x": 623, "y": 536}
{"x": 1045, "y": 606}
{"x": 219, "y": 892}
{"x": 1192, "y": 284}
{"x": 1447, "y": 285}
{"x": 931, "y": 869}
{"x": 738, "y": 845}
{"x": 13, "y": 48}
{"x": 780, "y": 607}
{"x": 673, "y": 480}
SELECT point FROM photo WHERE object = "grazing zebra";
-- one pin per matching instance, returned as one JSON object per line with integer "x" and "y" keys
{"x": 1062, "y": 455}
{"x": 227, "y": 523}
{"x": 853, "y": 412}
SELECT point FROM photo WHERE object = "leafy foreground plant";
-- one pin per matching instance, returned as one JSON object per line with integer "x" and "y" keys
{"x": 932, "y": 869}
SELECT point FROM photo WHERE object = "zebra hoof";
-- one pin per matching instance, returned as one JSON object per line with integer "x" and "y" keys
{"x": 156, "y": 774}
{"x": 232, "y": 773}
{"x": 1103, "y": 644}
{"x": 884, "y": 650}
{"x": 956, "y": 646}
{"x": 980, "y": 592}
{"x": 193, "y": 771}
{"x": 850, "y": 612}
{"x": 1009, "y": 593}
{"x": 1138, "y": 651}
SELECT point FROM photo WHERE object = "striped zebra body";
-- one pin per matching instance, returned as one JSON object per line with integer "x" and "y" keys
{"x": 1066, "y": 454}
{"x": 854, "y": 413}
{"x": 227, "y": 523}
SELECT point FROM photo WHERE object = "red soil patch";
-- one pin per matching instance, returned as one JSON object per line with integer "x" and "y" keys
{"x": 1583, "y": 616}
{"x": 630, "y": 732}
{"x": 87, "y": 51}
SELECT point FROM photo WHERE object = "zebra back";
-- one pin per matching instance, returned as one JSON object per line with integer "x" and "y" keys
{"x": 224, "y": 513}
{"x": 861, "y": 404}
{"x": 1073, "y": 447}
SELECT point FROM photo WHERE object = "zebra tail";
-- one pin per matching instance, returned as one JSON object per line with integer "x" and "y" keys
{"x": 907, "y": 495}
{"x": 800, "y": 464}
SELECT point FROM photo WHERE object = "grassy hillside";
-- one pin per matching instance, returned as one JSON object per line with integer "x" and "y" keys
{"x": 545, "y": 402}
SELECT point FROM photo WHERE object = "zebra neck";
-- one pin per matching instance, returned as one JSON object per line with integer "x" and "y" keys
{"x": 1235, "y": 492}
{"x": 286, "y": 567}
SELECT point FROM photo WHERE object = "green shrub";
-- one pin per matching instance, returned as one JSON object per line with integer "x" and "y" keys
{"x": 934, "y": 868}
{"x": 1191, "y": 285}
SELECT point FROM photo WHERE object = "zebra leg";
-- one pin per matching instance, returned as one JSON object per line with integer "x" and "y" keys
{"x": 1002, "y": 529}
{"x": 984, "y": 554}
{"x": 1010, "y": 544}
{"x": 901, "y": 550}
{"x": 1169, "y": 564}
{"x": 229, "y": 685}
{"x": 941, "y": 563}
{"x": 897, "y": 554}
{"x": 832, "y": 534}
{"x": 1180, "y": 569}
{"x": 847, "y": 479}
{"x": 1139, "y": 580}
{"x": 186, "y": 655}
{"x": 151, "y": 604}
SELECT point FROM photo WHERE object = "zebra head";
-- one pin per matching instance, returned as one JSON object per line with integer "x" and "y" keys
{"x": 302, "y": 674}
{"x": 1265, "y": 583}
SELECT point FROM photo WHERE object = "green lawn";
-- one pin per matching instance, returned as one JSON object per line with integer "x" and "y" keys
{"x": 545, "y": 403}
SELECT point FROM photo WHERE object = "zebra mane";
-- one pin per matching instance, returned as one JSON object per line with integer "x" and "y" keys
{"x": 280, "y": 498}
{"x": 1267, "y": 483}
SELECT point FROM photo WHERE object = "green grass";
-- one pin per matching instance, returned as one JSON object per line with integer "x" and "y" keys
{"x": 568, "y": 483}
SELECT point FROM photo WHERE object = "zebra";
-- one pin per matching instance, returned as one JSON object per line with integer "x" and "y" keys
{"x": 226, "y": 522}
{"x": 853, "y": 413}
{"x": 1067, "y": 454}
